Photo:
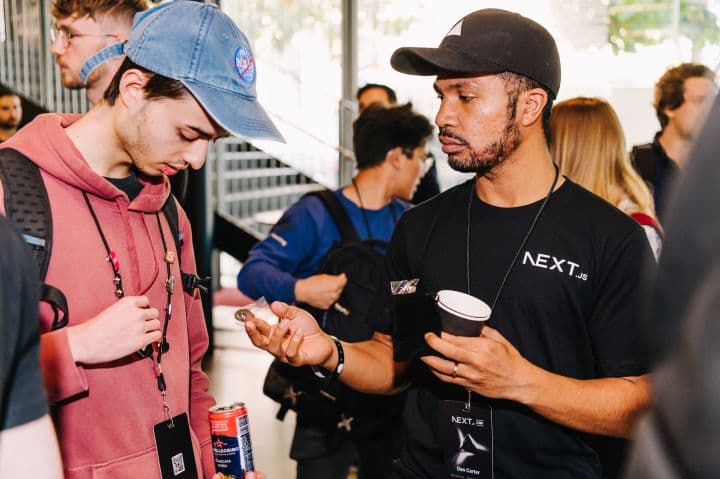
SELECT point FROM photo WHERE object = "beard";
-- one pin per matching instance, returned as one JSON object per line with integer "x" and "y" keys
{"x": 69, "y": 78}
{"x": 483, "y": 161}
{"x": 9, "y": 125}
{"x": 71, "y": 81}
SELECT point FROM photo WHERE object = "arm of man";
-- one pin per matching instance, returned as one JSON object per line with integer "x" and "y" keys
{"x": 200, "y": 399}
{"x": 278, "y": 263}
{"x": 489, "y": 365}
{"x": 61, "y": 376}
{"x": 23, "y": 405}
{"x": 369, "y": 365}
{"x": 320, "y": 290}
{"x": 40, "y": 460}
{"x": 298, "y": 340}
{"x": 608, "y": 404}
{"x": 64, "y": 351}
{"x": 119, "y": 330}
{"x": 17, "y": 459}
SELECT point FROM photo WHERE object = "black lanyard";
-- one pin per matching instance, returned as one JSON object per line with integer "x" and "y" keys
{"x": 163, "y": 345}
{"x": 364, "y": 212}
{"x": 514, "y": 260}
{"x": 522, "y": 244}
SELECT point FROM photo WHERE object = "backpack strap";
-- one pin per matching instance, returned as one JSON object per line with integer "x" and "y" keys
{"x": 189, "y": 281}
{"x": 643, "y": 158}
{"x": 338, "y": 213}
{"x": 27, "y": 204}
{"x": 170, "y": 211}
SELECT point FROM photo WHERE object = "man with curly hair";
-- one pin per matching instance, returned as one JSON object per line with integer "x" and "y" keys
{"x": 682, "y": 98}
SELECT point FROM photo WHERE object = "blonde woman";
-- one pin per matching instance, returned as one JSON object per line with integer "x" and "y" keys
{"x": 588, "y": 144}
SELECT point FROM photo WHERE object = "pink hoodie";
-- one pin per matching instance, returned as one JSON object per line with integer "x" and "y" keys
{"x": 104, "y": 413}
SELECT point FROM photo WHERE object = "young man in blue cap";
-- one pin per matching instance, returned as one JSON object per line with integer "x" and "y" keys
{"x": 557, "y": 369}
{"x": 124, "y": 377}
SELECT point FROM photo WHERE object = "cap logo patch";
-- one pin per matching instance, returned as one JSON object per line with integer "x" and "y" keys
{"x": 457, "y": 29}
{"x": 245, "y": 65}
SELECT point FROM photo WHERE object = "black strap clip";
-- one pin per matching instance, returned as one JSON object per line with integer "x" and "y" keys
{"x": 191, "y": 282}
{"x": 57, "y": 301}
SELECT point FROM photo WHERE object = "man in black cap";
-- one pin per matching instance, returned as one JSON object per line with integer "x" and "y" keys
{"x": 538, "y": 393}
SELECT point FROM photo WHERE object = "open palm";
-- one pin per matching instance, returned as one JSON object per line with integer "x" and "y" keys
{"x": 297, "y": 339}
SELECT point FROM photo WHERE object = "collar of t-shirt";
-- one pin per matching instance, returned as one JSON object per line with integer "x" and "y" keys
{"x": 665, "y": 161}
{"x": 130, "y": 185}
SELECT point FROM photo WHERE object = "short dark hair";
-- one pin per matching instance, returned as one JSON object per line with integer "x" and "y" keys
{"x": 670, "y": 88}
{"x": 379, "y": 129}
{"x": 121, "y": 9}
{"x": 5, "y": 91}
{"x": 157, "y": 86}
{"x": 392, "y": 98}
{"x": 516, "y": 84}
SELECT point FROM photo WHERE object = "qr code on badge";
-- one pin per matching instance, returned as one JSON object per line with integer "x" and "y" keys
{"x": 178, "y": 464}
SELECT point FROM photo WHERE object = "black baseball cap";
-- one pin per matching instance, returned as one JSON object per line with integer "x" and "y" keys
{"x": 488, "y": 41}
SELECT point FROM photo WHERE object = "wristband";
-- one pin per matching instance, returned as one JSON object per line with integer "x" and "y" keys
{"x": 340, "y": 364}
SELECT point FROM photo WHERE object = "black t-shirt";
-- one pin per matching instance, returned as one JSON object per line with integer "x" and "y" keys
{"x": 130, "y": 185}
{"x": 570, "y": 306}
{"x": 658, "y": 170}
{"x": 22, "y": 398}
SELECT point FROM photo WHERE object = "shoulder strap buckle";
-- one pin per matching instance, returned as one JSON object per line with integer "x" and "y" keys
{"x": 191, "y": 282}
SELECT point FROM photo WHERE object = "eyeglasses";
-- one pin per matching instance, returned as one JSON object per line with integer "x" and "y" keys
{"x": 66, "y": 37}
{"x": 426, "y": 163}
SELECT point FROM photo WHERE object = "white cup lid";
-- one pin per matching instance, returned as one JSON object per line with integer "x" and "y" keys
{"x": 463, "y": 305}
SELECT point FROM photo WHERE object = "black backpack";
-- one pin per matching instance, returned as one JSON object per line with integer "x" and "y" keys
{"x": 26, "y": 203}
{"x": 363, "y": 262}
{"x": 323, "y": 403}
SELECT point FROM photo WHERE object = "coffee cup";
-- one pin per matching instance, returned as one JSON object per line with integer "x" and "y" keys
{"x": 461, "y": 314}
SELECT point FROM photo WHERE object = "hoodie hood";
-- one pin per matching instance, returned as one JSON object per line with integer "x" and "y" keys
{"x": 67, "y": 164}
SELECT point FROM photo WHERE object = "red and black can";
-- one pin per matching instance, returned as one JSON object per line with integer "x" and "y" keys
{"x": 230, "y": 433}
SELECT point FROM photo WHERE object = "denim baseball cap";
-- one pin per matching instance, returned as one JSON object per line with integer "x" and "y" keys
{"x": 488, "y": 41}
{"x": 200, "y": 46}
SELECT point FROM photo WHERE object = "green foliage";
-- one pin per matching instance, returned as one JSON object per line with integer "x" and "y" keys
{"x": 634, "y": 23}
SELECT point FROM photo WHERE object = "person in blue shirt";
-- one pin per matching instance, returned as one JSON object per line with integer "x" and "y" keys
{"x": 390, "y": 150}
{"x": 377, "y": 93}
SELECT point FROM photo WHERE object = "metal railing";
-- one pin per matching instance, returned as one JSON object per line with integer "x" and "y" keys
{"x": 248, "y": 182}
{"x": 25, "y": 60}
{"x": 252, "y": 186}
{"x": 245, "y": 189}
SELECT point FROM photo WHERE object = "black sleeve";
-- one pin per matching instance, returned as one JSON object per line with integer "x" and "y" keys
{"x": 23, "y": 398}
{"x": 615, "y": 325}
{"x": 382, "y": 314}
{"x": 409, "y": 316}
{"x": 412, "y": 314}
{"x": 428, "y": 187}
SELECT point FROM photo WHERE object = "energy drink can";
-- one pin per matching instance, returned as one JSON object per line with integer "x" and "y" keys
{"x": 230, "y": 433}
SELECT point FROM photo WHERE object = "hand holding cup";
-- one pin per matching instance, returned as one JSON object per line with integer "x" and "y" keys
{"x": 461, "y": 314}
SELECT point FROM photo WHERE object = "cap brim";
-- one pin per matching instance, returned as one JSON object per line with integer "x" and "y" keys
{"x": 239, "y": 115}
{"x": 435, "y": 61}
